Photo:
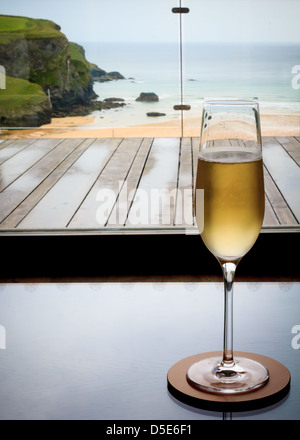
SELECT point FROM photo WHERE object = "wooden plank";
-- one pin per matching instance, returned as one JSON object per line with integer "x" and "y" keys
{"x": 57, "y": 207}
{"x": 154, "y": 202}
{"x": 285, "y": 173}
{"x": 12, "y": 168}
{"x": 5, "y": 142}
{"x": 13, "y": 148}
{"x": 221, "y": 143}
{"x": 237, "y": 143}
{"x": 45, "y": 190}
{"x": 63, "y": 157}
{"x": 20, "y": 188}
{"x": 291, "y": 145}
{"x": 185, "y": 197}
{"x": 270, "y": 218}
{"x": 119, "y": 213}
{"x": 95, "y": 210}
{"x": 278, "y": 203}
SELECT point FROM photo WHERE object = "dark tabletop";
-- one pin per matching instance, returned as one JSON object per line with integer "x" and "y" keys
{"x": 103, "y": 350}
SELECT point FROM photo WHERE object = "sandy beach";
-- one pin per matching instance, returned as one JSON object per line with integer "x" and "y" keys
{"x": 85, "y": 127}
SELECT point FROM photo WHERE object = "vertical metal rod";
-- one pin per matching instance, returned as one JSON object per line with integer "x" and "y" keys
{"x": 180, "y": 60}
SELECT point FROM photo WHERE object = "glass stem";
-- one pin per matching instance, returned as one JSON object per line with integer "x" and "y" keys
{"x": 229, "y": 273}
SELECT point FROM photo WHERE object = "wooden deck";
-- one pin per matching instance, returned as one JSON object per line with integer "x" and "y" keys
{"x": 104, "y": 185}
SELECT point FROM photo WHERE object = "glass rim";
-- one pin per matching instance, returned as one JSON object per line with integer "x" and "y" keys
{"x": 230, "y": 102}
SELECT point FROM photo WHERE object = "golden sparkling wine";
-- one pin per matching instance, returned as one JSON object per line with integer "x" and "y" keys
{"x": 234, "y": 202}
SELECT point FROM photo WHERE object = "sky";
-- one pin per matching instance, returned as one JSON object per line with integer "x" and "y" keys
{"x": 266, "y": 21}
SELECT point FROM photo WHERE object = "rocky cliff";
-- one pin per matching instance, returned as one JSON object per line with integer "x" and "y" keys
{"x": 37, "y": 52}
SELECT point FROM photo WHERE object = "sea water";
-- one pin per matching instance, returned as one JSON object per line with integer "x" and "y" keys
{"x": 209, "y": 71}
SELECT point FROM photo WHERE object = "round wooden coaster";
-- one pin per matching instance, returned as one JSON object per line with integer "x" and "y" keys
{"x": 274, "y": 390}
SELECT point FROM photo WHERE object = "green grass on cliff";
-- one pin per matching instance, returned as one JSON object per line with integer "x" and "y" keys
{"x": 78, "y": 60}
{"x": 77, "y": 53}
{"x": 19, "y": 92}
{"x": 15, "y": 27}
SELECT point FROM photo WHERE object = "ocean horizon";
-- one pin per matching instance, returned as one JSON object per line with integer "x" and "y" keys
{"x": 260, "y": 72}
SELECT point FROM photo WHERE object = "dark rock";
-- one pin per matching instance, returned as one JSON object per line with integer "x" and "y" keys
{"x": 113, "y": 100}
{"x": 97, "y": 73}
{"x": 155, "y": 114}
{"x": 106, "y": 76}
{"x": 147, "y": 97}
{"x": 85, "y": 109}
{"x": 115, "y": 75}
{"x": 105, "y": 105}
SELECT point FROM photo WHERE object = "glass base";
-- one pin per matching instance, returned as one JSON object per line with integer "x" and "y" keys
{"x": 241, "y": 376}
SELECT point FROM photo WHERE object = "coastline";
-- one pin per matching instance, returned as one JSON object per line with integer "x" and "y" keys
{"x": 84, "y": 127}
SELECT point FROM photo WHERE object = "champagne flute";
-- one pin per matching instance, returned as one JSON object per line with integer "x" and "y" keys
{"x": 230, "y": 170}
